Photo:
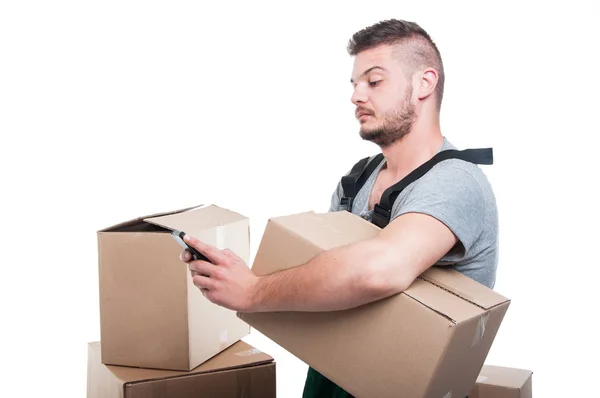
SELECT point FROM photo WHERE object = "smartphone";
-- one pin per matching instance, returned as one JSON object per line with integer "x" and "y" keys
{"x": 196, "y": 255}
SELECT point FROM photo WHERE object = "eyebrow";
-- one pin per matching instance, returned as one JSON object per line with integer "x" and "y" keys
{"x": 367, "y": 71}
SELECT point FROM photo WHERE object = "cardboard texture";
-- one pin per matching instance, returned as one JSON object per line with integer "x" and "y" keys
{"x": 238, "y": 371}
{"x": 151, "y": 314}
{"x": 429, "y": 341}
{"x": 503, "y": 382}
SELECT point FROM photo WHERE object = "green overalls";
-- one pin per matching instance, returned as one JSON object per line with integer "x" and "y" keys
{"x": 318, "y": 386}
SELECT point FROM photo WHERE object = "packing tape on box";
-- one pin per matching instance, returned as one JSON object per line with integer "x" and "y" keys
{"x": 480, "y": 329}
{"x": 247, "y": 353}
{"x": 481, "y": 379}
{"x": 223, "y": 338}
{"x": 448, "y": 395}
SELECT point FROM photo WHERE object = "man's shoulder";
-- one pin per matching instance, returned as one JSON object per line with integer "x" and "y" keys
{"x": 458, "y": 170}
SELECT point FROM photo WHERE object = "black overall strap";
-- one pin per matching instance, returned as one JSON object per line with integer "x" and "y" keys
{"x": 354, "y": 181}
{"x": 383, "y": 210}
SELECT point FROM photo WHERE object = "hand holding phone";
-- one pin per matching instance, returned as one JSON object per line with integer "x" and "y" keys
{"x": 196, "y": 255}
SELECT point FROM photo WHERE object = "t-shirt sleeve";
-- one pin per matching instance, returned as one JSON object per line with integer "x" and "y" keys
{"x": 336, "y": 198}
{"x": 453, "y": 196}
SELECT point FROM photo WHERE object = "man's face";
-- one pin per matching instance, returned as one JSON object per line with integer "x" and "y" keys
{"x": 382, "y": 95}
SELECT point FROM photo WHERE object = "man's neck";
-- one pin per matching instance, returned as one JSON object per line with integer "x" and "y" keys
{"x": 417, "y": 147}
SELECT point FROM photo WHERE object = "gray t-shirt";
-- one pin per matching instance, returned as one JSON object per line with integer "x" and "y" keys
{"x": 458, "y": 194}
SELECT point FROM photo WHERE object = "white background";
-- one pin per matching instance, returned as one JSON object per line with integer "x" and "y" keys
{"x": 111, "y": 110}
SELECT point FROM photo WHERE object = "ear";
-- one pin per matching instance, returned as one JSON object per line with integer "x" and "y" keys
{"x": 427, "y": 83}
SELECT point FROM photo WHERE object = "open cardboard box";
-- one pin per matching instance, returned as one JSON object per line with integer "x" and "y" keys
{"x": 239, "y": 371}
{"x": 151, "y": 314}
{"x": 429, "y": 341}
{"x": 503, "y": 382}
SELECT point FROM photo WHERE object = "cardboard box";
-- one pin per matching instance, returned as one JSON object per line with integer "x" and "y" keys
{"x": 151, "y": 313}
{"x": 503, "y": 382}
{"x": 239, "y": 371}
{"x": 429, "y": 341}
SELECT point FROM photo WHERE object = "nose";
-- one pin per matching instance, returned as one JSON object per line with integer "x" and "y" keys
{"x": 358, "y": 95}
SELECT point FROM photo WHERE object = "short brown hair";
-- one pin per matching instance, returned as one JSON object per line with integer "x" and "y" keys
{"x": 422, "y": 51}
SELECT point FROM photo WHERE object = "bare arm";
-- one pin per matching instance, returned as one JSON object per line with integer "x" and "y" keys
{"x": 336, "y": 279}
{"x": 359, "y": 273}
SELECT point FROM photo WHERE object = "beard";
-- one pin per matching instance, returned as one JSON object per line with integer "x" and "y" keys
{"x": 396, "y": 124}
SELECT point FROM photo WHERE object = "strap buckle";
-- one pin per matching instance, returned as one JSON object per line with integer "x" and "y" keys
{"x": 381, "y": 216}
{"x": 346, "y": 203}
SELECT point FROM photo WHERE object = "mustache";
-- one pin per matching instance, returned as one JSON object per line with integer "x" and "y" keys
{"x": 366, "y": 111}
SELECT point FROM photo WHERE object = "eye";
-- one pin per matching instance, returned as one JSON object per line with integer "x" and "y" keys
{"x": 374, "y": 83}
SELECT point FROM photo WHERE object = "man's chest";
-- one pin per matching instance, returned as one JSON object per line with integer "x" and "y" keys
{"x": 382, "y": 182}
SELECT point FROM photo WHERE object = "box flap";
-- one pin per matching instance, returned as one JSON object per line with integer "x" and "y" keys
{"x": 311, "y": 233}
{"x": 238, "y": 355}
{"x": 442, "y": 301}
{"x": 138, "y": 219}
{"x": 328, "y": 230}
{"x": 503, "y": 376}
{"x": 196, "y": 219}
{"x": 464, "y": 287}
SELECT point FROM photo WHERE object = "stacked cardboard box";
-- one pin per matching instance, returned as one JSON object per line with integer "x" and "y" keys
{"x": 159, "y": 335}
{"x": 238, "y": 371}
{"x": 503, "y": 382}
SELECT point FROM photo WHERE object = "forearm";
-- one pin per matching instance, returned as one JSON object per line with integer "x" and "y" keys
{"x": 336, "y": 279}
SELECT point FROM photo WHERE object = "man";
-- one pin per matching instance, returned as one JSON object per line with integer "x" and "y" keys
{"x": 447, "y": 217}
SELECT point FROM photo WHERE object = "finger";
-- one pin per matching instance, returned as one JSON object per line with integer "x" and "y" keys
{"x": 203, "y": 282}
{"x": 215, "y": 255}
{"x": 230, "y": 254}
{"x": 194, "y": 273}
{"x": 209, "y": 294}
{"x": 185, "y": 256}
{"x": 202, "y": 267}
